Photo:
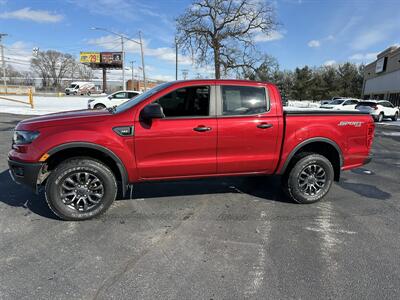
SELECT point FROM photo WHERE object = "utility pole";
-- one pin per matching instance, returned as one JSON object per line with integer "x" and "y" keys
{"x": 132, "y": 62}
{"x": 3, "y": 63}
{"x": 176, "y": 58}
{"x": 123, "y": 64}
{"x": 141, "y": 51}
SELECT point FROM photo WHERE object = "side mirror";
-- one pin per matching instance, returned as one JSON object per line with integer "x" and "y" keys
{"x": 152, "y": 111}
{"x": 109, "y": 97}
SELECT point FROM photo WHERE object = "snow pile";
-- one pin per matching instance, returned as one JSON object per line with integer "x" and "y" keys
{"x": 42, "y": 104}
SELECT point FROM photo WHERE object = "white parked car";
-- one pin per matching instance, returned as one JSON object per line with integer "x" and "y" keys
{"x": 379, "y": 109}
{"x": 341, "y": 104}
{"x": 111, "y": 100}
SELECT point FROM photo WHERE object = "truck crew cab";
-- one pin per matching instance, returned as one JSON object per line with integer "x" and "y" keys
{"x": 186, "y": 129}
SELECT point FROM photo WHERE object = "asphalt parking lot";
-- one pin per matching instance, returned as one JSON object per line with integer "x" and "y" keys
{"x": 230, "y": 238}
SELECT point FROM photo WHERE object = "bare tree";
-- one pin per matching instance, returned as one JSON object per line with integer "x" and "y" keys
{"x": 224, "y": 31}
{"x": 52, "y": 66}
{"x": 81, "y": 71}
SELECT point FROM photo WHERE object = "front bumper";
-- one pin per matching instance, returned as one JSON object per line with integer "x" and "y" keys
{"x": 25, "y": 173}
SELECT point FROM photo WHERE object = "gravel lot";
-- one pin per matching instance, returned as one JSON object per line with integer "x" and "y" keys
{"x": 230, "y": 238}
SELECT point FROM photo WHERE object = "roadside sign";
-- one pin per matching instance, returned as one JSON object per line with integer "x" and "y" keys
{"x": 111, "y": 58}
{"x": 90, "y": 57}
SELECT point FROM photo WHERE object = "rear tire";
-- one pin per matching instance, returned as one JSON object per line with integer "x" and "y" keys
{"x": 310, "y": 178}
{"x": 99, "y": 106}
{"x": 379, "y": 118}
{"x": 80, "y": 189}
{"x": 395, "y": 117}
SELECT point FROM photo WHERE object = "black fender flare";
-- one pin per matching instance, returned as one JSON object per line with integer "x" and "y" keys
{"x": 106, "y": 151}
{"x": 309, "y": 141}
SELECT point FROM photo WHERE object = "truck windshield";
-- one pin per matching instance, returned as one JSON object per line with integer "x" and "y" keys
{"x": 72, "y": 86}
{"x": 134, "y": 101}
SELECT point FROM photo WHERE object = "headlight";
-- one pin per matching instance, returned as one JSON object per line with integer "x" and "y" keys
{"x": 24, "y": 137}
{"x": 90, "y": 101}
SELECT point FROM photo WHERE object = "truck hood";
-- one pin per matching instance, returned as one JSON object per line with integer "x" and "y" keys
{"x": 64, "y": 118}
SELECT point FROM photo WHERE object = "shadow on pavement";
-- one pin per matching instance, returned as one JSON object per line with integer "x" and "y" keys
{"x": 17, "y": 195}
{"x": 365, "y": 190}
{"x": 264, "y": 187}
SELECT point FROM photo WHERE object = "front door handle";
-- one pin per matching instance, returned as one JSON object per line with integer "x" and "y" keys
{"x": 264, "y": 125}
{"x": 202, "y": 128}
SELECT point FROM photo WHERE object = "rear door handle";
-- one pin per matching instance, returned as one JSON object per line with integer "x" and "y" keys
{"x": 264, "y": 125}
{"x": 202, "y": 128}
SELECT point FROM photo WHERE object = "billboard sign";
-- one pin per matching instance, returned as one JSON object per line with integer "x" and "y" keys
{"x": 111, "y": 58}
{"x": 89, "y": 57}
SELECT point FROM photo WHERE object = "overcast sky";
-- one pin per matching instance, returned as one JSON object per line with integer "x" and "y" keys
{"x": 311, "y": 32}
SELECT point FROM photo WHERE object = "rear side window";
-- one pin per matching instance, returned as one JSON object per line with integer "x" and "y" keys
{"x": 387, "y": 104}
{"x": 367, "y": 103}
{"x": 131, "y": 94}
{"x": 186, "y": 102}
{"x": 243, "y": 100}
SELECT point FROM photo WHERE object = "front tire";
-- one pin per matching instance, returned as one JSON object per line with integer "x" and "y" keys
{"x": 395, "y": 117}
{"x": 310, "y": 178}
{"x": 80, "y": 189}
{"x": 99, "y": 106}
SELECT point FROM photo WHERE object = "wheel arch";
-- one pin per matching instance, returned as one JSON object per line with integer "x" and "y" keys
{"x": 65, "y": 151}
{"x": 319, "y": 145}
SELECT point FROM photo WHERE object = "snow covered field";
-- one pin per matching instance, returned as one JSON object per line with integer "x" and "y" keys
{"x": 42, "y": 104}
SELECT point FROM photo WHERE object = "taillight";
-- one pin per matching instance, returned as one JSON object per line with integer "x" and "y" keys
{"x": 370, "y": 134}
{"x": 375, "y": 107}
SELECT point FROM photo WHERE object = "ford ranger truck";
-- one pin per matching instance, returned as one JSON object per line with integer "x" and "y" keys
{"x": 186, "y": 129}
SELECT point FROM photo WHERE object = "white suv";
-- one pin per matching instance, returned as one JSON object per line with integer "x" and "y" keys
{"x": 341, "y": 104}
{"x": 379, "y": 109}
{"x": 111, "y": 100}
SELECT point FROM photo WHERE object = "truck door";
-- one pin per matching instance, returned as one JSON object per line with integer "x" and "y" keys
{"x": 184, "y": 142}
{"x": 247, "y": 130}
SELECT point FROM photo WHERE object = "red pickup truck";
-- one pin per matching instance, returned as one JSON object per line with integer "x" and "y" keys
{"x": 186, "y": 129}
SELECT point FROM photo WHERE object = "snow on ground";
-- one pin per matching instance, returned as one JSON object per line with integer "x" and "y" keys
{"x": 42, "y": 104}
{"x": 303, "y": 104}
{"x": 389, "y": 122}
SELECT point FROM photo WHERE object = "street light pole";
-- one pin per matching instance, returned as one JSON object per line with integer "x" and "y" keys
{"x": 176, "y": 58}
{"x": 123, "y": 64}
{"x": 144, "y": 72}
{"x": 3, "y": 64}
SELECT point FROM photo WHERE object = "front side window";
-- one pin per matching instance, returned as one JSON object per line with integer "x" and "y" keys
{"x": 243, "y": 100}
{"x": 186, "y": 102}
{"x": 121, "y": 95}
{"x": 336, "y": 102}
